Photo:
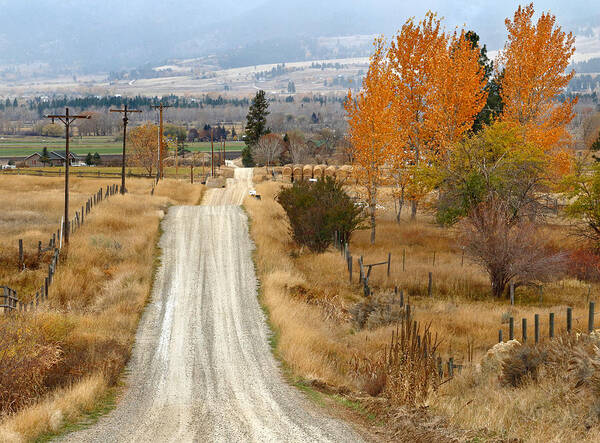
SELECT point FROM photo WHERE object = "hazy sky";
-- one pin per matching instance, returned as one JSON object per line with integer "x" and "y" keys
{"x": 100, "y": 34}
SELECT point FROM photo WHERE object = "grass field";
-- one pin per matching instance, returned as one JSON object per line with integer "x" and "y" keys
{"x": 13, "y": 146}
{"x": 313, "y": 309}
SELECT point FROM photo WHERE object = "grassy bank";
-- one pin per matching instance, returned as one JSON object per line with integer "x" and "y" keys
{"x": 73, "y": 348}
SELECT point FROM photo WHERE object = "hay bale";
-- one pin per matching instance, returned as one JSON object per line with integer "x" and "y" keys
{"x": 286, "y": 173}
{"x": 297, "y": 172}
{"x": 331, "y": 171}
{"x": 345, "y": 173}
{"x": 307, "y": 172}
{"x": 319, "y": 172}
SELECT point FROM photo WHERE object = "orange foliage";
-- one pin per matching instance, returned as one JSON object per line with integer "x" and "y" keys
{"x": 414, "y": 56}
{"x": 459, "y": 91}
{"x": 534, "y": 61}
{"x": 371, "y": 126}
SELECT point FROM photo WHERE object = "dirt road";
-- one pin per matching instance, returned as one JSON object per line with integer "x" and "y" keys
{"x": 202, "y": 369}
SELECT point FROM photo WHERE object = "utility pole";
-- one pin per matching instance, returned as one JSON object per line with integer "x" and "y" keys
{"x": 160, "y": 107}
{"x": 212, "y": 155}
{"x": 67, "y": 119}
{"x": 125, "y": 111}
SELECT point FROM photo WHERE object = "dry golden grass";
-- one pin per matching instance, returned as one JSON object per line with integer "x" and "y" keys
{"x": 99, "y": 291}
{"x": 308, "y": 298}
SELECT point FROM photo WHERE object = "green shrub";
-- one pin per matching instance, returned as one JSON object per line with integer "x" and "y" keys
{"x": 316, "y": 210}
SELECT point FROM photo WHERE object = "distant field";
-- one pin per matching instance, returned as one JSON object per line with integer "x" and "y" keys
{"x": 24, "y": 146}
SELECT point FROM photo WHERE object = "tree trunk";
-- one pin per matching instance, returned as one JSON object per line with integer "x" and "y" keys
{"x": 413, "y": 209}
{"x": 498, "y": 281}
{"x": 372, "y": 216}
{"x": 400, "y": 205}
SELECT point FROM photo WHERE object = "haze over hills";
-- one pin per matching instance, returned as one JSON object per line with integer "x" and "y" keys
{"x": 88, "y": 36}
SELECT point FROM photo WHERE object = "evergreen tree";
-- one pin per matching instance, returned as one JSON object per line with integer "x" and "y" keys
{"x": 256, "y": 126}
{"x": 97, "y": 159}
{"x": 494, "y": 105}
{"x": 89, "y": 160}
{"x": 595, "y": 147}
{"x": 15, "y": 103}
{"x": 45, "y": 158}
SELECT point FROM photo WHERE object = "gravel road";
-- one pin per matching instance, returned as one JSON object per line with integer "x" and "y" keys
{"x": 202, "y": 369}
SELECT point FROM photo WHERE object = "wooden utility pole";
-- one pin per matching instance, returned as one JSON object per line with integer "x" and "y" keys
{"x": 223, "y": 158}
{"x": 125, "y": 111}
{"x": 160, "y": 107}
{"x": 67, "y": 119}
{"x": 212, "y": 155}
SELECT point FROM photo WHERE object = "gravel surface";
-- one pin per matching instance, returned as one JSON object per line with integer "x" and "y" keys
{"x": 202, "y": 369}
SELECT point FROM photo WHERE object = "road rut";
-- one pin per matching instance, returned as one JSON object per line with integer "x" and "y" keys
{"x": 201, "y": 368}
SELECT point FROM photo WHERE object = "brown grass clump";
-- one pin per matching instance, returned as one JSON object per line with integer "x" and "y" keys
{"x": 78, "y": 342}
{"x": 406, "y": 372}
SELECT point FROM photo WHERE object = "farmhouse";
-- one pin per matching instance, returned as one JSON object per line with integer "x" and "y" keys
{"x": 55, "y": 158}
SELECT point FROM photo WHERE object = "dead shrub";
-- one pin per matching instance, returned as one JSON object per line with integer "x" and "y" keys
{"x": 584, "y": 265}
{"x": 376, "y": 312}
{"x": 25, "y": 361}
{"x": 522, "y": 363}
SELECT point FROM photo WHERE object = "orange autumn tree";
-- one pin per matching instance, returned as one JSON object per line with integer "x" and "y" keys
{"x": 371, "y": 127}
{"x": 534, "y": 61}
{"x": 413, "y": 55}
{"x": 459, "y": 91}
{"x": 439, "y": 89}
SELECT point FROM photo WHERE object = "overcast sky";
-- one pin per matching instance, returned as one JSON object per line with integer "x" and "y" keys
{"x": 101, "y": 34}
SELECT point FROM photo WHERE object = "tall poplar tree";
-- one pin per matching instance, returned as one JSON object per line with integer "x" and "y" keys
{"x": 256, "y": 126}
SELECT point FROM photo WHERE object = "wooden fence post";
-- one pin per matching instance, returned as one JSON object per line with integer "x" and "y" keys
{"x": 524, "y": 327}
{"x": 500, "y": 336}
{"x": 401, "y": 297}
{"x": 591, "y": 317}
{"x": 434, "y": 259}
{"x": 21, "y": 258}
{"x": 536, "y": 327}
{"x": 429, "y": 285}
{"x": 451, "y": 367}
{"x": 569, "y": 319}
{"x": 350, "y": 269}
{"x": 551, "y": 325}
{"x": 511, "y": 328}
{"x": 389, "y": 263}
{"x": 403, "y": 260}
{"x": 362, "y": 271}
{"x": 512, "y": 294}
